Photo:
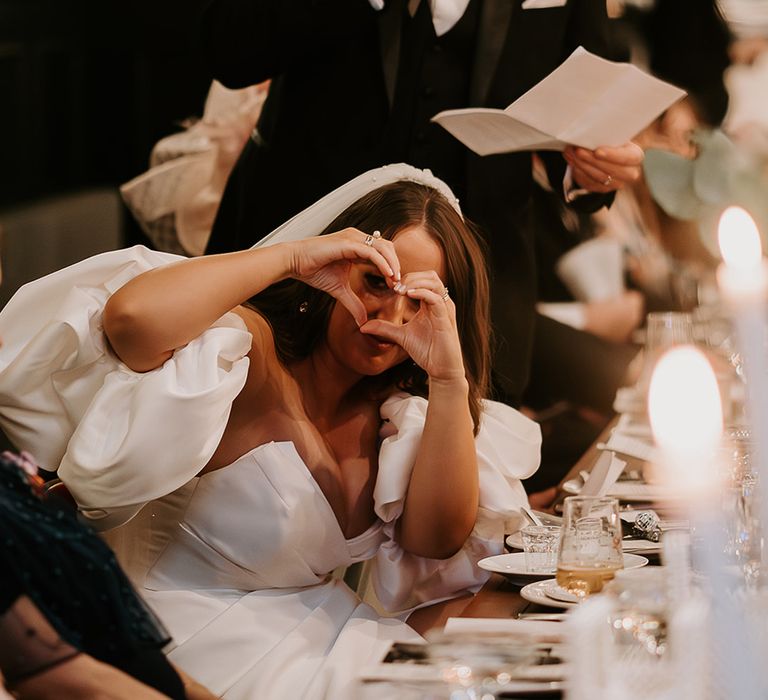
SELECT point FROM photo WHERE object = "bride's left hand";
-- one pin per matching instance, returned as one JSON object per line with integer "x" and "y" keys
{"x": 430, "y": 337}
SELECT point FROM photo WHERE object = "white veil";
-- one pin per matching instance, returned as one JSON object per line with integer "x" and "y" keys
{"x": 314, "y": 219}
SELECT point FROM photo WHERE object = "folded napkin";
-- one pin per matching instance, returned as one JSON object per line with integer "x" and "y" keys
{"x": 539, "y": 629}
{"x": 593, "y": 270}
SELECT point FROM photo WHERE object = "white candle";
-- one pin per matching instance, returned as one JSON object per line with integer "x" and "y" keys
{"x": 687, "y": 421}
{"x": 686, "y": 417}
{"x": 743, "y": 282}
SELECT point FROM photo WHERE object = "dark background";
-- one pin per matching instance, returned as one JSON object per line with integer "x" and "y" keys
{"x": 87, "y": 87}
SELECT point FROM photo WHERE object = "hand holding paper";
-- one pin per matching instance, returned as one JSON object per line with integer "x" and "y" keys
{"x": 607, "y": 168}
{"x": 587, "y": 101}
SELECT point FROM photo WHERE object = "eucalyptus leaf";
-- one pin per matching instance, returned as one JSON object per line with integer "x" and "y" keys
{"x": 716, "y": 168}
{"x": 670, "y": 180}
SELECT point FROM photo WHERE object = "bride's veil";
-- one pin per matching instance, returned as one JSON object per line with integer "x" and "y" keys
{"x": 316, "y": 218}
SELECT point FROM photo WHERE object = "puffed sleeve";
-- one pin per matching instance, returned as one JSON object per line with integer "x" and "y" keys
{"x": 508, "y": 446}
{"x": 118, "y": 438}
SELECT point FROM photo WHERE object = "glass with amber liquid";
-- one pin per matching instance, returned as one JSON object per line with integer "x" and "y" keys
{"x": 590, "y": 548}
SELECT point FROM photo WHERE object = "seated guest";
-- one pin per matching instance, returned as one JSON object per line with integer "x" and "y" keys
{"x": 71, "y": 625}
{"x": 267, "y": 416}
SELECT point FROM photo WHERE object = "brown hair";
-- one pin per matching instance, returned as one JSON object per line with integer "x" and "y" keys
{"x": 299, "y": 313}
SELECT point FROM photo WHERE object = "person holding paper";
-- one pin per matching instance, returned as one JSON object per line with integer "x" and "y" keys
{"x": 355, "y": 84}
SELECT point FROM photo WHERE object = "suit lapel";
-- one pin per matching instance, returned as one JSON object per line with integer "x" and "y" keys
{"x": 495, "y": 16}
{"x": 390, "y": 30}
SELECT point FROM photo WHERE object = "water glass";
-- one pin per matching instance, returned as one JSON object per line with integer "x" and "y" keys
{"x": 590, "y": 550}
{"x": 540, "y": 544}
{"x": 664, "y": 329}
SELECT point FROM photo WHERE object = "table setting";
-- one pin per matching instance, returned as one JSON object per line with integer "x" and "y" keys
{"x": 675, "y": 483}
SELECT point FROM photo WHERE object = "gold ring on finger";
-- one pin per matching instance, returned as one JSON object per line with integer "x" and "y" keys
{"x": 368, "y": 240}
{"x": 446, "y": 296}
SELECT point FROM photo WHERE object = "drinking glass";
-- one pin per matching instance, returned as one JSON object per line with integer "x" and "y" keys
{"x": 590, "y": 548}
{"x": 664, "y": 329}
{"x": 638, "y": 621}
{"x": 540, "y": 544}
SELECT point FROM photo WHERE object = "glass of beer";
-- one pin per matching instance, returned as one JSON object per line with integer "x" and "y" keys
{"x": 590, "y": 547}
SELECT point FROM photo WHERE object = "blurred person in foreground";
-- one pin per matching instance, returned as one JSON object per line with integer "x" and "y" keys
{"x": 71, "y": 625}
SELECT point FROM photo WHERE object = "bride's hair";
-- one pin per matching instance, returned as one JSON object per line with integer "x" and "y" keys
{"x": 299, "y": 313}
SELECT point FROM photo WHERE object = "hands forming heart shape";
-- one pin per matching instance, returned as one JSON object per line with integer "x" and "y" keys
{"x": 429, "y": 335}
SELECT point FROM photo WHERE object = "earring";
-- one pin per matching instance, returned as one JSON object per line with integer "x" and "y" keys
{"x": 303, "y": 307}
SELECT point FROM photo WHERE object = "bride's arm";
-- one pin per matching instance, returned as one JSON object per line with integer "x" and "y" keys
{"x": 442, "y": 499}
{"x": 163, "y": 309}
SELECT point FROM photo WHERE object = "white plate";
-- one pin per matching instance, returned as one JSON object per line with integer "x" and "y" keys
{"x": 548, "y": 593}
{"x": 539, "y": 592}
{"x": 515, "y": 541}
{"x": 513, "y": 565}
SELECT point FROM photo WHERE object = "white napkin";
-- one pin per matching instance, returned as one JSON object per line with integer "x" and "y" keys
{"x": 603, "y": 475}
{"x": 541, "y": 4}
{"x": 593, "y": 270}
{"x": 445, "y": 13}
{"x": 540, "y": 629}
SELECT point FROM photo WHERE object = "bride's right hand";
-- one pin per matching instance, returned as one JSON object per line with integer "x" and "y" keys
{"x": 324, "y": 262}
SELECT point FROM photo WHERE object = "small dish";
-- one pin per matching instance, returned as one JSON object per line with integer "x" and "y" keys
{"x": 541, "y": 592}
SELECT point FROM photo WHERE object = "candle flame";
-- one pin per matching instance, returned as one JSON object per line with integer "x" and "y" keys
{"x": 686, "y": 415}
{"x": 739, "y": 239}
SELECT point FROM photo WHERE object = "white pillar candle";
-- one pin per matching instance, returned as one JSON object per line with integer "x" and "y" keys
{"x": 686, "y": 417}
{"x": 743, "y": 282}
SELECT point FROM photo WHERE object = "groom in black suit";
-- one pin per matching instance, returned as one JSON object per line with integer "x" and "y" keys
{"x": 354, "y": 85}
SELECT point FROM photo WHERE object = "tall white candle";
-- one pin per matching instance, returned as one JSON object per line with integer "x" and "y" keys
{"x": 687, "y": 421}
{"x": 686, "y": 416}
{"x": 743, "y": 282}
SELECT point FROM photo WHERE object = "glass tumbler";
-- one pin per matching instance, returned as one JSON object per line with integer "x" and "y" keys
{"x": 540, "y": 544}
{"x": 664, "y": 329}
{"x": 590, "y": 551}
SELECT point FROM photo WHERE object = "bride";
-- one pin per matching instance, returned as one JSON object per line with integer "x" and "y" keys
{"x": 250, "y": 422}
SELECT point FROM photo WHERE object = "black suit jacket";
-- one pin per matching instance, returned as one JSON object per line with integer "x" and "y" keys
{"x": 334, "y": 66}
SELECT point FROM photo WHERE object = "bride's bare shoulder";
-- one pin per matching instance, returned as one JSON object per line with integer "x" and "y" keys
{"x": 254, "y": 322}
{"x": 263, "y": 354}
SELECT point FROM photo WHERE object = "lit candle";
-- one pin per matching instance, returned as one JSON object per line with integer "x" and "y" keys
{"x": 744, "y": 276}
{"x": 743, "y": 282}
{"x": 686, "y": 417}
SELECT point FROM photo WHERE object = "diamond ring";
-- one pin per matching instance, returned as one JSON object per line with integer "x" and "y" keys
{"x": 445, "y": 294}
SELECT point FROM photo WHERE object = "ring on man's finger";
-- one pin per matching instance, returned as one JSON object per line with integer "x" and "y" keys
{"x": 446, "y": 296}
{"x": 368, "y": 240}
{"x": 608, "y": 181}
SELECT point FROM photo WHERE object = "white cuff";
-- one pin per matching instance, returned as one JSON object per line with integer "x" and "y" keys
{"x": 570, "y": 192}
{"x": 571, "y": 313}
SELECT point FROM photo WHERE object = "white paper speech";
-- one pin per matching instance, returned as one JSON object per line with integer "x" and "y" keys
{"x": 587, "y": 101}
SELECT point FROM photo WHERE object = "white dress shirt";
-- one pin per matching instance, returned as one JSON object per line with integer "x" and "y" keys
{"x": 445, "y": 13}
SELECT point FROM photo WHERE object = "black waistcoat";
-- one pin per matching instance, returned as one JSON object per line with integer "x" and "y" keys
{"x": 434, "y": 74}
